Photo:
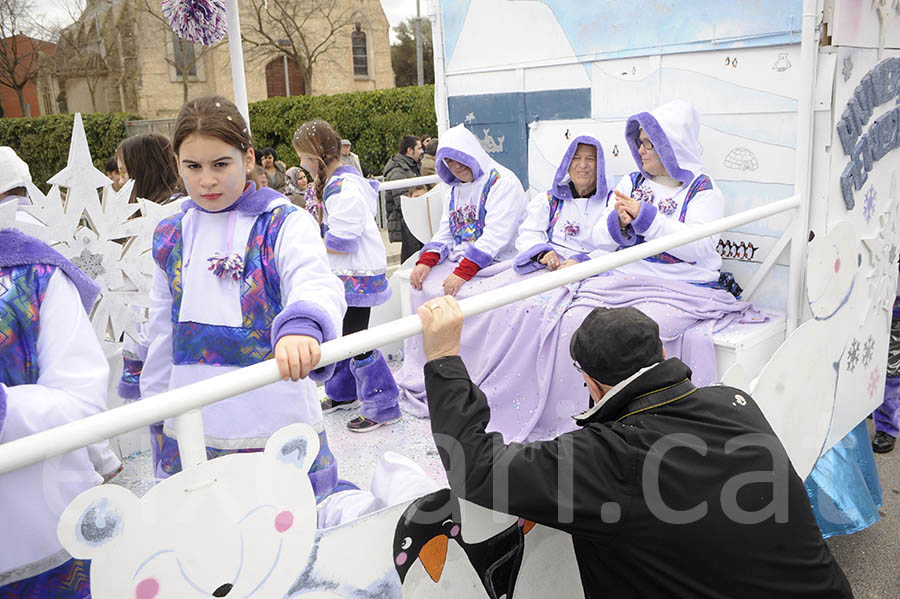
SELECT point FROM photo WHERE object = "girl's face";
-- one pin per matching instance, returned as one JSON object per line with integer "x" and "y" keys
{"x": 302, "y": 182}
{"x": 123, "y": 172}
{"x": 214, "y": 172}
{"x": 268, "y": 161}
{"x": 310, "y": 164}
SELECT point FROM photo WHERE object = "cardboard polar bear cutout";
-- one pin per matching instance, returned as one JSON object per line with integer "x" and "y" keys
{"x": 242, "y": 526}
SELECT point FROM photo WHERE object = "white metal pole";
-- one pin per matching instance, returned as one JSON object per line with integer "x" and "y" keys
{"x": 191, "y": 440}
{"x": 441, "y": 109}
{"x": 420, "y": 68}
{"x": 237, "y": 59}
{"x": 411, "y": 182}
{"x": 35, "y": 448}
{"x": 803, "y": 162}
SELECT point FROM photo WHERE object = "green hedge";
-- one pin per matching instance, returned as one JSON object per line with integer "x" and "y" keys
{"x": 43, "y": 142}
{"x": 374, "y": 121}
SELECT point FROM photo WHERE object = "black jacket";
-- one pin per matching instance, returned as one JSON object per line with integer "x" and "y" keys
{"x": 398, "y": 167}
{"x": 714, "y": 456}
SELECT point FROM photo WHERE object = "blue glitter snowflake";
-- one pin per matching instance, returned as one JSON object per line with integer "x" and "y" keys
{"x": 869, "y": 204}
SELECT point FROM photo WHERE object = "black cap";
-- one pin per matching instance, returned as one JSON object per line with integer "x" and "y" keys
{"x": 614, "y": 343}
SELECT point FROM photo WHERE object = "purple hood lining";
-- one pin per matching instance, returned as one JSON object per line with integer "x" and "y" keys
{"x": 20, "y": 250}
{"x": 444, "y": 172}
{"x": 351, "y": 170}
{"x": 561, "y": 189}
{"x": 661, "y": 143}
{"x": 252, "y": 202}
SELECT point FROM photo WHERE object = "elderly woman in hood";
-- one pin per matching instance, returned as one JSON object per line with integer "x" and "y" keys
{"x": 557, "y": 231}
{"x": 519, "y": 352}
{"x": 487, "y": 204}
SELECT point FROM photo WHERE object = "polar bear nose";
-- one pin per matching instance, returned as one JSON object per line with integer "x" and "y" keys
{"x": 223, "y": 590}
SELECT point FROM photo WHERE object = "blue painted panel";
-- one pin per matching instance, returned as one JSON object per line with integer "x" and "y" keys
{"x": 558, "y": 104}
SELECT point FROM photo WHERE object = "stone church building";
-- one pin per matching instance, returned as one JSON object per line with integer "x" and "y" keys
{"x": 121, "y": 56}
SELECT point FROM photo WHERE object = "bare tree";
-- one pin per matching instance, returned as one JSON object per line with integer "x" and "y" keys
{"x": 303, "y": 30}
{"x": 81, "y": 53}
{"x": 186, "y": 56}
{"x": 20, "y": 54}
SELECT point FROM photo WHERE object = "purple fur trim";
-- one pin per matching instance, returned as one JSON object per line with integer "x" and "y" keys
{"x": 310, "y": 311}
{"x": 302, "y": 326}
{"x": 615, "y": 231}
{"x": 2, "y": 406}
{"x": 347, "y": 169}
{"x": 376, "y": 389}
{"x": 368, "y": 300}
{"x": 323, "y": 481}
{"x": 525, "y": 263}
{"x": 21, "y": 250}
{"x": 128, "y": 391}
{"x": 581, "y": 257}
{"x": 482, "y": 259}
{"x": 561, "y": 190}
{"x": 645, "y": 218}
{"x": 444, "y": 172}
{"x": 341, "y": 244}
{"x": 252, "y": 202}
{"x": 438, "y": 248}
{"x": 647, "y": 122}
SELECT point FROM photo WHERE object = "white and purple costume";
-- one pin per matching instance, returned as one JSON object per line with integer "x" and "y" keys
{"x": 358, "y": 258}
{"x": 52, "y": 372}
{"x": 559, "y": 221}
{"x": 483, "y": 217}
{"x": 227, "y": 286}
{"x": 350, "y": 205}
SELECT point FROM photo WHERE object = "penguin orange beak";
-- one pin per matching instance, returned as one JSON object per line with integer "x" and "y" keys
{"x": 434, "y": 555}
{"x": 527, "y": 526}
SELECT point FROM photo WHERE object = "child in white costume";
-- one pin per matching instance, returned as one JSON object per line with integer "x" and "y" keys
{"x": 557, "y": 230}
{"x": 487, "y": 205}
{"x": 357, "y": 256}
{"x": 52, "y": 372}
{"x": 241, "y": 276}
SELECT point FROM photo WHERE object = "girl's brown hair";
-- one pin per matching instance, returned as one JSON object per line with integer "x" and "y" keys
{"x": 318, "y": 138}
{"x": 214, "y": 116}
{"x": 150, "y": 161}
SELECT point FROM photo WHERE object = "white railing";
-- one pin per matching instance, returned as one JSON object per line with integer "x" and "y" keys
{"x": 184, "y": 403}
{"x": 411, "y": 182}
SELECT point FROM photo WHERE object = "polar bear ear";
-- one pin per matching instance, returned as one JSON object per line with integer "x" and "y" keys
{"x": 94, "y": 523}
{"x": 296, "y": 445}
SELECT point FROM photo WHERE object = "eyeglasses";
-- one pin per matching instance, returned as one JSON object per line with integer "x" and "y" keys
{"x": 578, "y": 367}
{"x": 646, "y": 143}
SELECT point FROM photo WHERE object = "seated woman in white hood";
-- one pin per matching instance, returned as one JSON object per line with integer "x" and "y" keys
{"x": 487, "y": 204}
{"x": 520, "y": 351}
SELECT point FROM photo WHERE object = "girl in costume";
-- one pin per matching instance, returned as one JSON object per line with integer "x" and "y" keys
{"x": 241, "y": 276}
{"x": 150, "y": 161}
{"x": 487, "y": 205}
{"x": 357, "y": 255}
{"x": 52, "y": 372}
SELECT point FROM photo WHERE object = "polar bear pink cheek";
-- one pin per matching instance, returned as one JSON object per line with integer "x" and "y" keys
{"x": 283, "y": 521}
{"x": 401, "y": 558}
{"x": 837, "y": 265}
{"x": 147, "y": 589}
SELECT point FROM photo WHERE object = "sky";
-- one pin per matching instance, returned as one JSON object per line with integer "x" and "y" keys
{"x": 396, "y": 11}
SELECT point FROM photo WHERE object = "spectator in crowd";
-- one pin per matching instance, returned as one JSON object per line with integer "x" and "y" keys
{"x": 149, "y": 160}
{"x": 258, "y": 176}
{"x": 274, "y": 170}
{"x": 427, "y": 166}
{"x": 349, "y": 158}
{"x": 112, "y": 171}
{"x": 403, "y": 165}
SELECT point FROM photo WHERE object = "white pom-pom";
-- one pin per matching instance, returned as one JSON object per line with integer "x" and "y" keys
{"x": 200, "y": 21}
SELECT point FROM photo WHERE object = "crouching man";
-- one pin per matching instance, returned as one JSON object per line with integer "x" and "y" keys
{"x": 668, "y": 490}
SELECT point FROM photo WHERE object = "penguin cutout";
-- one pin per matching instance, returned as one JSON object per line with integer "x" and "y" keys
{"x": 430, "y": 523}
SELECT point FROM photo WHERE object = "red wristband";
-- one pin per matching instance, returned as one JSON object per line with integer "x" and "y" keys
{"x": 429, "y": 258}
{"x": 466, "y": 269}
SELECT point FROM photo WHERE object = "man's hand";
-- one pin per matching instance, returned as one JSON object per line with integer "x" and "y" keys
{"x": 417, "y": 276}
{"x": 452, "y": 284}
{"x": 442, "y": 322}
{"x": 296, "y": 355}
{"x": 550, "y": 260}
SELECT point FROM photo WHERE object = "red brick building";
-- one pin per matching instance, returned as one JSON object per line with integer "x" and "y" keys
{"x": 19, "y": 61}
